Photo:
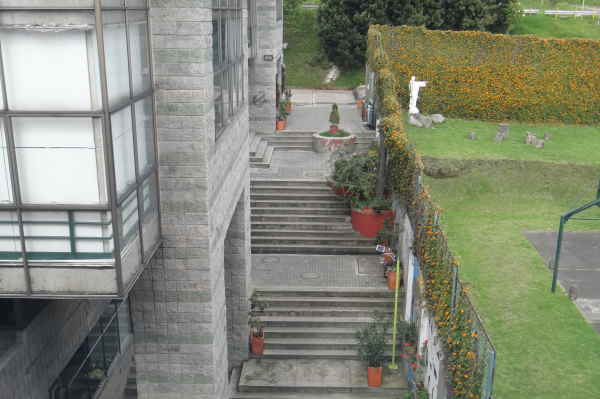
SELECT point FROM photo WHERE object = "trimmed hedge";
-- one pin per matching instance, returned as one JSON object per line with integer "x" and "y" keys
{"x": 478, "y": 75}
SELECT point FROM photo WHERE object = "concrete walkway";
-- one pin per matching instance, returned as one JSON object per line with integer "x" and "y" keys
{"x": 579, "y": 269}
{"x": 311, "y": 96}
{"x": 331, "y": 271}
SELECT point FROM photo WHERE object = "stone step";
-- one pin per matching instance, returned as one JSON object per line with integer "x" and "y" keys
{"x": 287, "y": 182}
{"x": 340, "y": 242}
{"x": 254, "y": 145}
{"x": 317, "y": 301}
{"x": 309, "y": 333}
{"x": 296, "y": 226}
{"x": 323, "y": 189}
{"x": 288, "y": 147}
{"x": 325, "y": 293}
{"x": 274, "y": 218}
{"x": 261, "y": 149}
{"x": 296, "y": 196}
{"x": 299, "y": 211}
{"x": 291, "y": 132}
{"x": 304, "y": 343}
{"x": 290, "y": 143}
{"x": 265, "y": 161}
{"x": 299, "y": 395}
{"x": 311, "y": 249}
{"x": 288, "y": 137}
{"x": 299, "y": 204}
{"x": 323, "y": 234}
{"x": 328, "y": 311}
{"x": 315, "y": 321}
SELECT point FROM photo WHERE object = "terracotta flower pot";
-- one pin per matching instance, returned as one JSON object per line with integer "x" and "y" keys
{"x": 288, "y": 108}
{"x": 257, "y": 345}
{"x": 333, "y": 129}
{"x": 280, "y": 125}
{"x": 368, "y": 224}
{"x": 359, "y": 103}
{"x": 391, "y": 281}
{"x": 374, "y": 376}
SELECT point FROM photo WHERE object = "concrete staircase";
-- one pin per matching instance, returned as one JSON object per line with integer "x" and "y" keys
{"x": 311, "y": 349}
{"x": 131, "y": 387}
{"x": 263, "y": 145}
{"x": 302, "y": 217}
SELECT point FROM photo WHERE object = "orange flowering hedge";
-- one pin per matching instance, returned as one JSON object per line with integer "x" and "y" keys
{"x": 469, "y": 351}
{"x": 478, "y": 75}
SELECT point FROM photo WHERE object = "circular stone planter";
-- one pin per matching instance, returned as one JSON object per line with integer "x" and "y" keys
{"x": 330, "y": 144}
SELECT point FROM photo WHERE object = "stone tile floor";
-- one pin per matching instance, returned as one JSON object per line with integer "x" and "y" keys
{"x": 331, "y": 271}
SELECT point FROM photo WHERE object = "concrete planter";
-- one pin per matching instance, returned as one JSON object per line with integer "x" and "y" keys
{"x": 330, "y": 144}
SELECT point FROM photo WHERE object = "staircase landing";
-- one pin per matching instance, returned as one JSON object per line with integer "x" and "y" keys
{"x": 316, "y": 376}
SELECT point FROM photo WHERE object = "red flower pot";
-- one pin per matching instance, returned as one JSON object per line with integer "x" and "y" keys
{"x": 288, "y": 108}
{"x": 333, "y": 129}
{"x": 257, "y": 345}
{"x": 280, "y": 125}
{"x": 391, "y": 281}
{"x": 368, "y": 223}
{"x": 374, "y": 376}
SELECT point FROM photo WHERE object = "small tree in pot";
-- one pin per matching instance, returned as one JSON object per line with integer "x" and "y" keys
{"x": 371, "y": 349}
{"x": 334, "y": 119}
{"x": 257, "y": 333}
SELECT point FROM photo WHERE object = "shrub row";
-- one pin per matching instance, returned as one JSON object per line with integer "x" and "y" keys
{"x": 478, "y": 75}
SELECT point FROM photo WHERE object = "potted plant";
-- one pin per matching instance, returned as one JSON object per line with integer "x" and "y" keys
{"x": 257, "y": 333}
{"x": 281, "y": 117}
{"x": 371, "y": 349}
{"x": 288, "y": 100}
{"x": 334, "y": 119}
{"x": 370, "y": 215}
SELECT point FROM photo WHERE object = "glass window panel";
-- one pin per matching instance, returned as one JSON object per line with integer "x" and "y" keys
{"x": 122, "y": 136}
{"x": 150, "y": 216}
{"x": 10, "y": 244}
{"x": 58, "y": 160}
{"x": 128, "y": 217}
{"x": 6, "y": 195}
{"x": 46, "y": 232}
{"x": 113, "y": 3}
{"x": 115, "y": 48}
{"x": 38, "y": 65}
{"x": 144, "y": 125}
{"x": 124, "y": 322}
{"x": 138, "y": 45}
{"x": 137, "y": 3}
{"x": 93, "y": 233}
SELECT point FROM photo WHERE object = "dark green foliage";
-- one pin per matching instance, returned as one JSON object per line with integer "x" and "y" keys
{"x": 371, "y": 342}
{"x": 334, "y": 116}
{"x": 290, "y": 7}
{"x": 343, "y": 24}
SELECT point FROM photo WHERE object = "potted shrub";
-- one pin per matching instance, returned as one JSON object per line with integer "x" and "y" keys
{"x": 281, "y": 117}
{"x": 257, "y": 333}
{"x": 369, "y": 216}
{"x": 288, "y": 101}
{"x": 334, "y": 119}
{"x": 371, "y": 349}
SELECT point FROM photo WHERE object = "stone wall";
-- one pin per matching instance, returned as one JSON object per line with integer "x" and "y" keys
{"x": 263, "y": 72}
{"x": 45, "y": 346}
{"x": 179, "y": 304}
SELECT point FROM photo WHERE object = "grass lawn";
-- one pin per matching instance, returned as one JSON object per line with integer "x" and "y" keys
{"x": 568, "y": 143}
{"x": 549, "y": 26}
{"x": 555, "y": 5}
{"x": 545, "y": 348}
{"x": 306, "y": 64}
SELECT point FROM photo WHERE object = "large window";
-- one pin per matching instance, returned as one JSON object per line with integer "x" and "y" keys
{"x": 228, "y": 57}
{"x": 77, "y": 134}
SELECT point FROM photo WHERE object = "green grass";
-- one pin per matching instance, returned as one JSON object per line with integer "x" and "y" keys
{"x": 306, "y": 64}
{"x": 568, "y": 143}
{"x": 545, "y": 348}
{"x": 562, "y": 28}
{"x": 555, "y": 5}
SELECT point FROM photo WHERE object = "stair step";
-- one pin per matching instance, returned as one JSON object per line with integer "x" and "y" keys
{"x": 315, "y": 321}
{"x": 325, "y": 293}
{"x": 265, "y": 161}
{"x": 296, "y": 196}
{"x": 292, "y": 147}
{"x": 323, "y": 189}
{"x": 324, "y": 311}
{"x": 343, "y": 242}
{"x": 300, "y": 211}
{"x": 311, "y": 249}
{"x": 309, "y": 333}
{"x": 304, "y": 343}
{"x": 338, "y": 301}
{"x": 299, "y": 204}
{"x": 325, "y": 234}
{"x": 315, "y": 226}
{"x": 291, "y": 138}
{"x": 286, "y": 182}
{"x": 300, "y": 218}
{"x": 254, "y": 145}
{"x": 348, "y": 354}
{"x": 300, "y": 395}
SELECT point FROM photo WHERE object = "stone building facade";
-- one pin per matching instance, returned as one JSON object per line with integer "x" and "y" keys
{"x": 184, "y": 318}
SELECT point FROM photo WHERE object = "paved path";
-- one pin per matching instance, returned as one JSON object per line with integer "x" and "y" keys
{"x": 310, "y": 96}
{"x": 579, "y": 269}
{"x": 308, "y": 164}
{"x": 331, "y": 271}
